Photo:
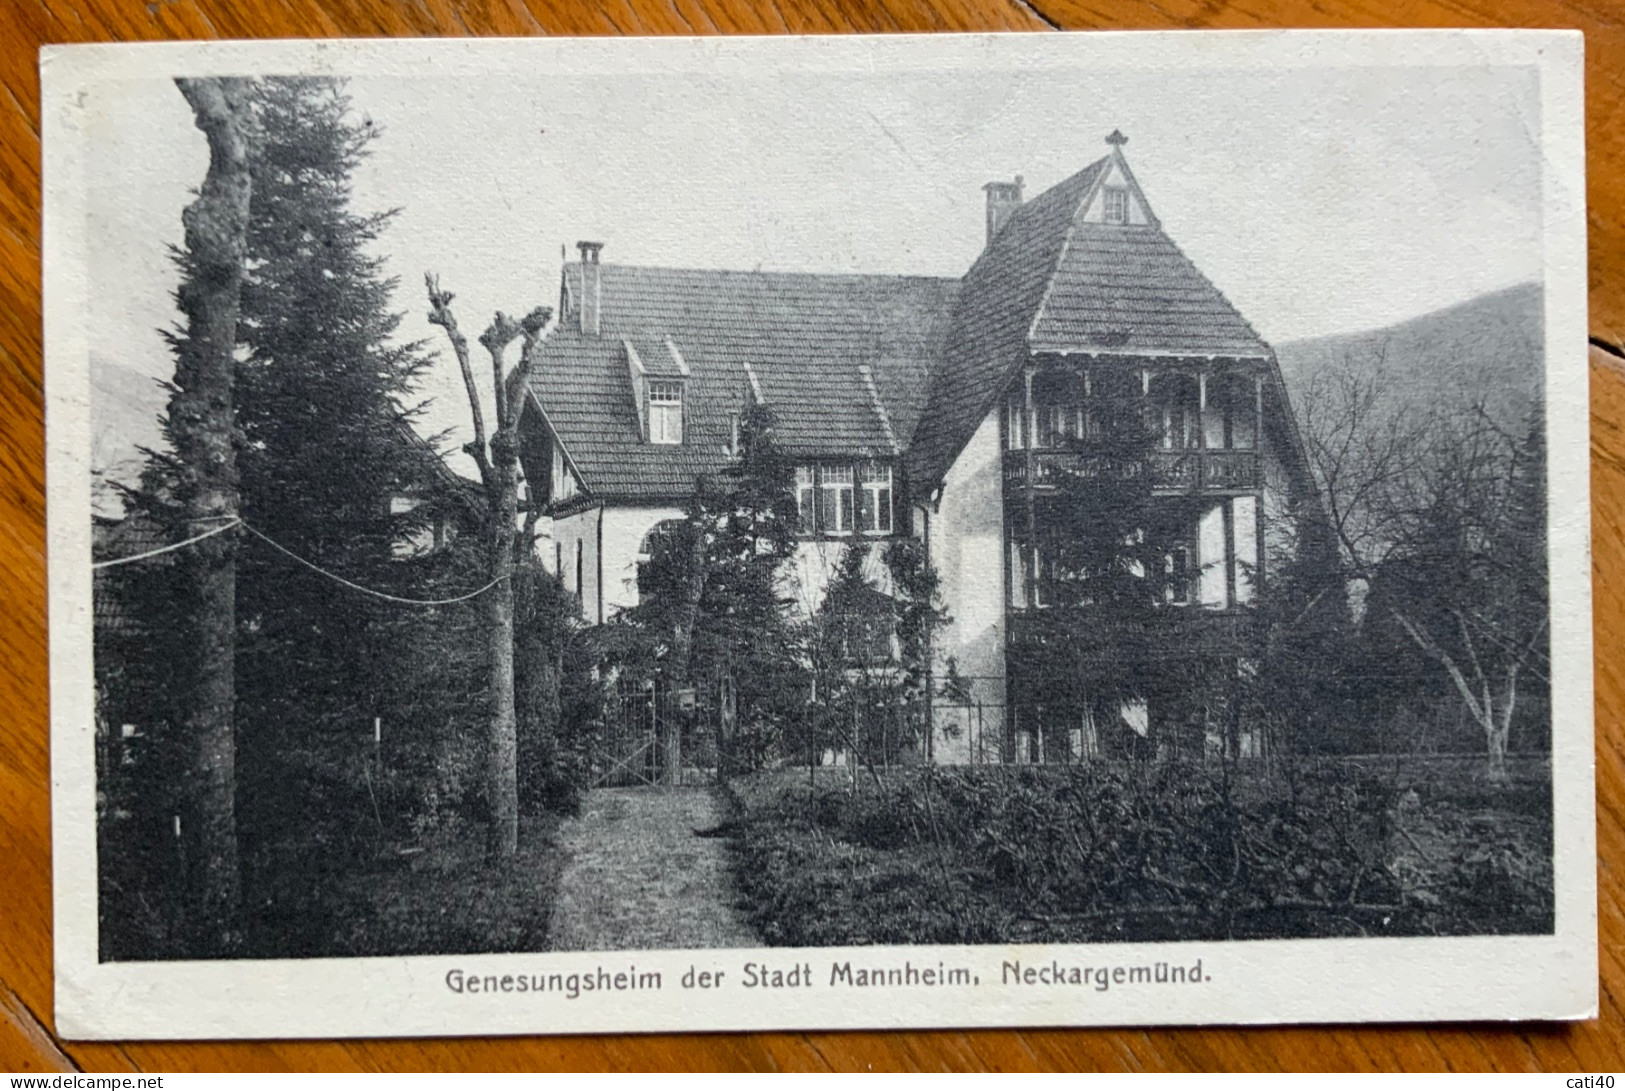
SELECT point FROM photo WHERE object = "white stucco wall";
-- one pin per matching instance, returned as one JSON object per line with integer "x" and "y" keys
{"x": 1245, "y": 521}
{"x": 1280, "y": 541}
{"x": 572, "y": 533}
{"x": 806, "y": 578}
{"x": 1210, "y": 556}
{"x": 624, "y": 529}
{"x": 966, "y": 534}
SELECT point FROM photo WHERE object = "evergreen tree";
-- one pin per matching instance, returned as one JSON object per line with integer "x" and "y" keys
{"x": 917, "y": 614}
{"x": 1104, "y": 541}
{"x": 744, "y": 639}
{"x": 710, "y": 605}
{"x": 326, "y": 458}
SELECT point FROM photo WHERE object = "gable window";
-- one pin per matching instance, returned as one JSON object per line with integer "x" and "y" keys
{"x": 665, "y": 412}
{"x": 806, "y": 500}
{"x": 1115, "y": 205}
{"x": 835, "y": 499}
{"x": 876, "y": 498}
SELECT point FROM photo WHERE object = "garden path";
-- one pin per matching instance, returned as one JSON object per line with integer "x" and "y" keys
{"x": 637, "y": 876}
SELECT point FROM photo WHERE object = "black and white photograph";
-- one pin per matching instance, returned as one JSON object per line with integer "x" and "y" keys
{"x": 894, "y": 532}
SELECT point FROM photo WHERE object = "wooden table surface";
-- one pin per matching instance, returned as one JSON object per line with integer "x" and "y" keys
{"x": 27, "y": 1041}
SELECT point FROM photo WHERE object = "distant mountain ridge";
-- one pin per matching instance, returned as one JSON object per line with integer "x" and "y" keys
{"x": 1492, "y": 347}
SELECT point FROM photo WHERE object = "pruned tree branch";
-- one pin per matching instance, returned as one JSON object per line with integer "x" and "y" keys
{"x": 441, "y": 314}
{"x": 496, "y": 339}
{"x": 533, "y": 326}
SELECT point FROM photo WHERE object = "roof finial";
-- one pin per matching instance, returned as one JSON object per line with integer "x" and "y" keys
{"x": 1117, "y": 139}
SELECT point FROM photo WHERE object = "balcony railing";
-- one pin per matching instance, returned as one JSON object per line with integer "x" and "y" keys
{"x": 1173, "y": 632}
{"x": 1190, "y": 471}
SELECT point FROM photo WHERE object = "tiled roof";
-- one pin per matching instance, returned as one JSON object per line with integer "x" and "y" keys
{"x": 939, "y": 352}
{"x": 988, "y": 338}
{"x": 806, "y": 337}
{"x": 1050, "y": 282}
{"x": 110, "y": 539}
{"x": 1132, "y": 282}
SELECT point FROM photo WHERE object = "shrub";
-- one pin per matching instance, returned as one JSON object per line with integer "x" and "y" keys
{"x": 1124, "y": 852}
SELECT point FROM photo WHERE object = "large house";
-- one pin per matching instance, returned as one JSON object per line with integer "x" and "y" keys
{"x": 934, "y": 407}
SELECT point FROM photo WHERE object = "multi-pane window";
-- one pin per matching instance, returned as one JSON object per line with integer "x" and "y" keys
{"x": 875, "y": 500}
{"x": 806, "y": 500}
{"x": 665, "y": 412}
{"x": 839, "y": 498}
{"x": 835, "y": 499}
{"x": 1116, "y": 205}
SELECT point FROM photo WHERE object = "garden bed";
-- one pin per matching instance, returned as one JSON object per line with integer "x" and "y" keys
{"x": 1141, "y": 852}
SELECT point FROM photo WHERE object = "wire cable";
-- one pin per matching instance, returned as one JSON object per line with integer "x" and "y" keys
{"x": 280, "y": 548}
{"x": 168, "y": 548}
{"x": 313, "y": 566}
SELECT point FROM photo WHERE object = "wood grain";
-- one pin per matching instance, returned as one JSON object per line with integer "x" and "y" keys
{"x": 26, "y": 1041}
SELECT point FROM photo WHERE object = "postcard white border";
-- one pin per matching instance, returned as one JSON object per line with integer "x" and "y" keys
{"x": 1278, "y": 981}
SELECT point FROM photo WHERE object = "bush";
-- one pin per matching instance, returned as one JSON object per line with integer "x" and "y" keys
{"x": 1125, "y": 852}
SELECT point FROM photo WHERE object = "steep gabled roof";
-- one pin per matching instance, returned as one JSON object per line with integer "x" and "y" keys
{"x": 867, "y": 366}
{"x": 1057, "y": 280}
{"x": 808, "y": 340}
{"x": 997, "y": 301}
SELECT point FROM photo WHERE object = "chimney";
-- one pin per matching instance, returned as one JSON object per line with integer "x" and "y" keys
{"x": 1003, "y": 198}
{"x": 591, "y": 290}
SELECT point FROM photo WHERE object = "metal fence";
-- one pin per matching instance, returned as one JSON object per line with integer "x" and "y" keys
{"x": 977, "y": 725}
{"x": 643, "y": 719}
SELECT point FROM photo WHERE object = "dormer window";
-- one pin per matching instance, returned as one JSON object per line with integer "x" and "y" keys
{"x": 665, "y": 411}
{"x": 1116, "y": 205}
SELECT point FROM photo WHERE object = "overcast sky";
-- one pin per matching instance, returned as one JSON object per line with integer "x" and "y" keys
{"x": 1319, "y": 201}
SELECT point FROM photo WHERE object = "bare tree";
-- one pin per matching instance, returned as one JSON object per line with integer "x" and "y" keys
{"x": 1439, "y": 518}
{"x": 1363, "y": 449}
{"x": 497, "y": 457}
{"x": 1469, "y": 576}
{"x": 203, "y": 429}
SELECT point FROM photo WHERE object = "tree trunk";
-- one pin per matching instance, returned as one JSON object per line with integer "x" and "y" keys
{"x": 538, "y": 668}
{"x": 502, "y": 741}
{"x": 203, "y": 426}
{"x": 1498, "y": 732}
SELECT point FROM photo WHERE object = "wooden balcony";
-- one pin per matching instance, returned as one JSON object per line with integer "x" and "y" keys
{"x": 1174, "y": 632}
{"x": 1217, "y": 472}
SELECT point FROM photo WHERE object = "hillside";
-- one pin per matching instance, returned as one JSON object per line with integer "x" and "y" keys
{"x": 1490, "y": 347}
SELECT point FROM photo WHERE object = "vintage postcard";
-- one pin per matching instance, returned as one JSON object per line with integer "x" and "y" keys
{"x": 582, "y": 536}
